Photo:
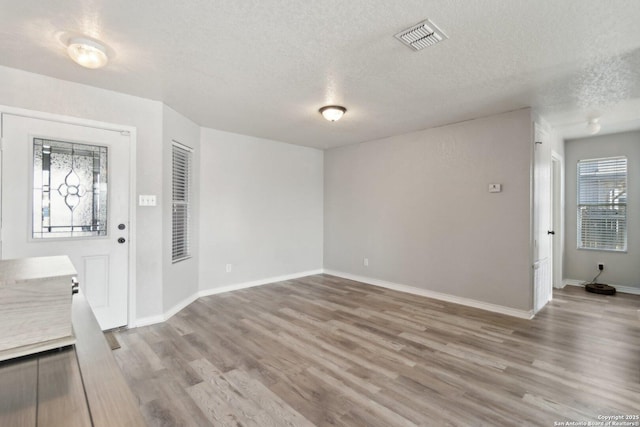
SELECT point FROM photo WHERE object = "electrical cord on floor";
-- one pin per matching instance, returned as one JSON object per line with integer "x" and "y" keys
{"x": 595, "y": 278}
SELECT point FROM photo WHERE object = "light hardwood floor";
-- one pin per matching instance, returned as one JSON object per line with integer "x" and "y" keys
{"x": 328, "y": 351}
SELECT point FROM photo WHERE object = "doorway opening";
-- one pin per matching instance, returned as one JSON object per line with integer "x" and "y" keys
{"x": 557, "y": 217}
{"x": 56, "y": 200}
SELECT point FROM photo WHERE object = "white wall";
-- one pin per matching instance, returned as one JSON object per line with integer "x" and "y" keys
{"x": 418, "y": 207}
{"x": 261, "y": 207}
{"x": 621, "y": 269}
{"x": 40, "y": 93}
{"x": 555, "y": 141}
{"x": 180, "y": 280}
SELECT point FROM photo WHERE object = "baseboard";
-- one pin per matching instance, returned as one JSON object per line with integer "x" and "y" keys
{"x": 623, "y": 289}
{"x": 151, "y": 320}
{"x": 522, "y": 314}
{"x": 179, "y": 306}
{"x": 146, "y": 321}
{"x": 260, "y": 282}
{"x": 571, "y": 282}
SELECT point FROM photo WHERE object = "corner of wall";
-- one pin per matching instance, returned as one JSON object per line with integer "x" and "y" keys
{"x": 179, "y": 280}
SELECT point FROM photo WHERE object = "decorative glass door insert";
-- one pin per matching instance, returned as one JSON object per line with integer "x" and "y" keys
{"x": 69, "y": 189}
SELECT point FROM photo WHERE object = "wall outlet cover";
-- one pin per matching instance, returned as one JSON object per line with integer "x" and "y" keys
{"x": 495, "y": 188}
{"x": 146, "y": 200}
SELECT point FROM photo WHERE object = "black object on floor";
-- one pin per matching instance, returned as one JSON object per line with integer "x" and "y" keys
{"x": 599, "y": 288}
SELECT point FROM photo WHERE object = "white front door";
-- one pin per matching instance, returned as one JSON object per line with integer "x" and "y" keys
{"x": 65, "y": 191}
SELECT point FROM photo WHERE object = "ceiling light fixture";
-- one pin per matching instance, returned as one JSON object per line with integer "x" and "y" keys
{"x": 332, "y": 113}
{"x": 88, "y": 53}
{"x": 593, "y": 125}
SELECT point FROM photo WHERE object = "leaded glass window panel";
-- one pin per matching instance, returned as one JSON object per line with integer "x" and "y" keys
{"x": 69, "y": 189}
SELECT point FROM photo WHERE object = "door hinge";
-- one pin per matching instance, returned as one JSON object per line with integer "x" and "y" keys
{"x": 1, "y": 143}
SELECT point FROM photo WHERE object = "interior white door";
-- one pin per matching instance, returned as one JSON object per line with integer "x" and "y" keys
{"x": 542, "y": 222}
{"x": 74, "y": 201}
{"x": 556, "y": 215}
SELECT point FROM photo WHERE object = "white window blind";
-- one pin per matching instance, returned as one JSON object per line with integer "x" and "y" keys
{"x": 181, "y": 229}
{"x": 602, "y": 204}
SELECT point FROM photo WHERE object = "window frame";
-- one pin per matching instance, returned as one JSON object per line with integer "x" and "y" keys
{"x": 181, "y": 197}
{"x": 580, "y": 205}
{"x": 31, "y": 237}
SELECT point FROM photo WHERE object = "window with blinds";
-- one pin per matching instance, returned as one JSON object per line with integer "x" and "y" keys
{"x": 181, "y": 218}
{"x": 602, "y": 204}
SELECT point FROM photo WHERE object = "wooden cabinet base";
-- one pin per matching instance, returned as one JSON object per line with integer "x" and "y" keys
{"x": 37, "y": 348}
{"x": 79, "y": 386}
{"x": 35, "y": 305}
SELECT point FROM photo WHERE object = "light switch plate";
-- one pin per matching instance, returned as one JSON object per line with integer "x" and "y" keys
{"x": 495, "y": 188}
{"x": 146, "y": 200}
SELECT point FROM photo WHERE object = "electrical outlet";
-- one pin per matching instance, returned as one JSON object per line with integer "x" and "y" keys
{"x": 229, "y": 267}
{"x": 366, "y": 262}
{"x": 600, "y": 267}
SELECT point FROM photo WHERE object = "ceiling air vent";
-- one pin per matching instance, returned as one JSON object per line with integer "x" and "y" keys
{"x": 421, "y": 35}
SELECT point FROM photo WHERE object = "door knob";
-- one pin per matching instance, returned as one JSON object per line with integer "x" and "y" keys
{"x": 121, "y": 240}
{"x": 551, "y": 232}
{"x": 121, "y": 226}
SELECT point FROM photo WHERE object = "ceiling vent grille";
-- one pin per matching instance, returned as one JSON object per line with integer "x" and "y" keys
{"x": 422, "y": 35}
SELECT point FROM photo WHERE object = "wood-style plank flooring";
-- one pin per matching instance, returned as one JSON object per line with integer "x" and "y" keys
{"x": 328, "y": 351}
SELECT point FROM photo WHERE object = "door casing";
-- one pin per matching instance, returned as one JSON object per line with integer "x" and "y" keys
{"x": 557, "y": 215}
{"x": 542, "y": 246}
{"x": 131, "y": 317}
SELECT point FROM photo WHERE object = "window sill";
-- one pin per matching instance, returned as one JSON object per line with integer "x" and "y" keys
{"x": 616, "y": 251}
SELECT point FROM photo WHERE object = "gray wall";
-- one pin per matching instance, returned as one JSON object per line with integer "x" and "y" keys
{"x": 418, "y": 207}
{"x": 260, "y": 209}
{"x": 180, "y": 280}
{"x": 620, "y": 268}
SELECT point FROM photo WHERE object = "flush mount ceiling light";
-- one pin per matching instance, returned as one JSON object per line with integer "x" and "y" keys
{"x": 332, "y": 112}
{"x": 593, "y": 125}
{"x": 88, "y": 53}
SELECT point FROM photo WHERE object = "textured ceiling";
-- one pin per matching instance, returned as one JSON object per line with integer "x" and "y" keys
{"x": 264, "y": 67}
